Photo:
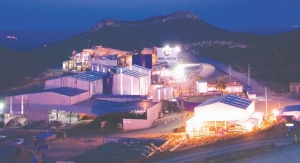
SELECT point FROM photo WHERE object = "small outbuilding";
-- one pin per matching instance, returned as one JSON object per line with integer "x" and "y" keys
{"x": 234, "y": 87}
{"x": 291, "y": 110}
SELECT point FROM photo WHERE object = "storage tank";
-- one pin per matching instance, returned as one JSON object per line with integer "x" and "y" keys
{"x": 201, "y": 86}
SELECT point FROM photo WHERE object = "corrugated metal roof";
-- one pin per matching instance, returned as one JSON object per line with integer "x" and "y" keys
{"x": 201, "y": 81}
{"x": 141, "y": 67}
{"x": 68, "y": 91}
{"x": 291, "y": 108}
{"x": 89, "y": 76}
{"x": 99, "y": 107}
{"x": 134, "y": 73}
{"x": 232, "y": 100}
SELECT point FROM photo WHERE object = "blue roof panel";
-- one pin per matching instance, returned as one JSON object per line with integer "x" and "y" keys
{"x": 89, "y": 76}
{"x": 68, "y": 91}
{"x": 134, "y": 73}
{"x": 232, "y": 100}
{"x": 291, "y": 108}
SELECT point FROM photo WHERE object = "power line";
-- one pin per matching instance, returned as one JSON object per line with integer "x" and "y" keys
{"x": 249, "y": 74}
{"x": 229, "y": 73}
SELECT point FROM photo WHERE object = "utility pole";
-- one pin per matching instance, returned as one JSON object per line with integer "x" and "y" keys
{"x": 249, "y": 74}
{"x": 266, "y": 101}
{"x": 230, "y": 73}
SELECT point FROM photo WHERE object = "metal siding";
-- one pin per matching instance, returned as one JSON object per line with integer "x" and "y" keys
{"x": 48, "y": 98}
{"x": 71, "y": 82}
{"x": 135, "y": 124}
{"x": 104, "y": 62}
{"x": 126, "y": 85}
{"x": 136, "y": 86}
{"x": 80, "y": 98}
{"x": 81, "y": 84}
{"x": 116, "y": 88}
{"x": 37, "y": 114}
{"x": 16, "y": 104}
{"x": 220, "y": 112}
{"x": 53, "y": 83}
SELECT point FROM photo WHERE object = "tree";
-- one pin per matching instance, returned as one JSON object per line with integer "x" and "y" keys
{"x": 220, "y": 85}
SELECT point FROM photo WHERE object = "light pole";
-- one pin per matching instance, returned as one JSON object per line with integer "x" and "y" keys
{"x": 1, "y": 107}
{"x": 180, "y": 73}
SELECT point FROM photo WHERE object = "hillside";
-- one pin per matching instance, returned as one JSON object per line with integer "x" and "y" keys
{"x": 274, "y": 59}
{"x": 177, "y": 28}
{"x": 16, "y": 65}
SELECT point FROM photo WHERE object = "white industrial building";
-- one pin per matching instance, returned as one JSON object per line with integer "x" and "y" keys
{"x": 291, "y": 110}
{"x": 100, "y": 68}
{"x": 234, "y": 87}
{"x": 37, "y": 105}
{"x": 132, "y": 80}
{"x": 91, "y": 81}
{"x": 163, "y": 93}
{"x": 201, "y": 86}
{"x": 106, "y": 62}
{"x": 224, "y": 111}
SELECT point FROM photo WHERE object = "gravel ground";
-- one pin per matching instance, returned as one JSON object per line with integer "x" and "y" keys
{"x": 288, "y": 154}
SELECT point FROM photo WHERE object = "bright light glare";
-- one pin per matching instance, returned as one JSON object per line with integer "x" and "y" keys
{"x": 275, "y": 112}
{"x": 1, "y": 106}
{"x": 248, "y": 126}
{"x": 179, "y": 71}
{"x": 177, "y": 49}
{"x": 167, "y": 47}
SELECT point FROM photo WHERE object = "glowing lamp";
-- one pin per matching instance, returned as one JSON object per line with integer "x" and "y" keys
{"x": 275, "y": 112}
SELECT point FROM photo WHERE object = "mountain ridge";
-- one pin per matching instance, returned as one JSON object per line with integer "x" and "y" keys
{"x": 181, "y": 28}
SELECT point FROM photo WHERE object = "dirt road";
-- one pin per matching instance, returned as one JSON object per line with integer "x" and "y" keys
{"x": 199, "y": 154}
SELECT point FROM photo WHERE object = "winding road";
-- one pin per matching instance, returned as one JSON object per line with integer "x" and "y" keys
{"x": 199, "y": 154}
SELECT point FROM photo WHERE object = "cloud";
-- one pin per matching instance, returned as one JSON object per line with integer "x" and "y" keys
{"x": 295, "y": 26}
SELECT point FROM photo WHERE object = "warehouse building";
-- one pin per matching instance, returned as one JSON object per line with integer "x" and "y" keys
{"x": 291, "y": 110}
{"x": 223, "y": 112}
{"x": 163, "y": 93}
{"x": 132, "y": 80}
{"x": 36, "y": 105}
{"x": 295, "y": 87}
{"x": 91, "y": 81}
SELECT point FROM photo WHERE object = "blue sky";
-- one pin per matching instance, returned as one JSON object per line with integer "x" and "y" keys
{"x": 80, "y": 15}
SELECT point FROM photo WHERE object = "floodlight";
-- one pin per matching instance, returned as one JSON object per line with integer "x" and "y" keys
{"x": 167, "y": 47}
{"x": 177, "y": 49}
{"x": 1, "y": 105}
{"x": 275, "y": 112}
{"x": 179, "y": 71}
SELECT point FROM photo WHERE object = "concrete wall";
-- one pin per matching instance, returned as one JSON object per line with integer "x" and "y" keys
{"x": 135, "y": 124}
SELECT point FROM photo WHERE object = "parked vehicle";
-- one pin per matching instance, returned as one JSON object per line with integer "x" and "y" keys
{"x": 18, "y": 141}
{"x": 32, "y": 139}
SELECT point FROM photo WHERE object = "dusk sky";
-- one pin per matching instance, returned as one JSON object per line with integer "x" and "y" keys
{"x": 80, "y": 15}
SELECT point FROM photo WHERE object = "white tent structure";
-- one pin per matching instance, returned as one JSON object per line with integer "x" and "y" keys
{"x": 224, "y": 110}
